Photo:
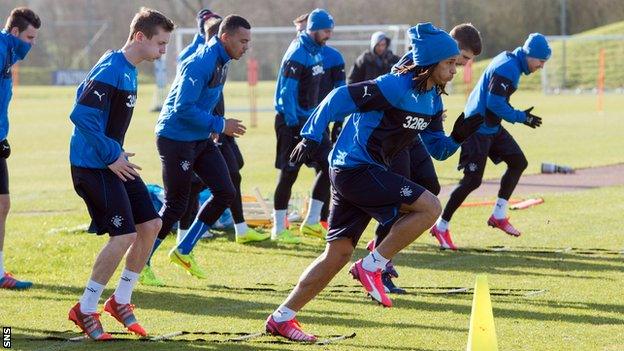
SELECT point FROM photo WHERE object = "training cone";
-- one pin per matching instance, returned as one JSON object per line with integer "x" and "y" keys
{"x": 482, "y": 335}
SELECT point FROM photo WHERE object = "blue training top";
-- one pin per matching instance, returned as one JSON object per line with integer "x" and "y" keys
{"x": 387, "y": 114}
{"x": 102, "y": 112}
{"x": 490, "y": 97}
{"x": 333, "y": 71}
{"x": 12, "y": 49}
{"x": 296, "y": 94}
{"x": 188, "y": 112}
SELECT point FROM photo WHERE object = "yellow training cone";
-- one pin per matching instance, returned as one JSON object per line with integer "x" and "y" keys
{"x": 482, "y": 335}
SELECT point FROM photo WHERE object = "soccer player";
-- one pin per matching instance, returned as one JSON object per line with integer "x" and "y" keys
{"x": 115, "y": 195}
{"x": 386, "y": 115}
{"x": 415, "y": 162}
{"x": 296, "y": 96}
{"x": 375, "y": 61}
{"x": 234, "y": 160}
{"x": 333, "y": 77}
{"x": 16, "y": 39}
{"x": 184, "y": 137}
{"x": 203, "y": 16}
{"x": 490, "y": 97}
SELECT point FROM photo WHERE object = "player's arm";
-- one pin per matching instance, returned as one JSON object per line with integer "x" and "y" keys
{"x": 292, "y": 72}
{"x": 192, "y": 79}
{"x": 439, "y": 145}
{"x": 341, "y": 102}
{"x": 88, "y": 115}
{"x": 498, "y": 92}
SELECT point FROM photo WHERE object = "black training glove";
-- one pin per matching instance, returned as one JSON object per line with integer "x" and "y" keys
{"x": 302, "y": 152}
{"x": 532, "y": 120}
{"x": 335, "y": 132}
{"x": 5, "y": 149}
{"x": 465, "y": 127}
{"x": 294, "y": 133}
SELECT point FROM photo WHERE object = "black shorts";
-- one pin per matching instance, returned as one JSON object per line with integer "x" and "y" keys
{"x": 115, "y": 206}
{"x": 477, "y": 148}
{"x": 286, "y": 143}
{"x": 416, "y": 164}
{"x": 231, "y": 153}
{"x": 362, "y": 193}
{"x": 4, "y": 177}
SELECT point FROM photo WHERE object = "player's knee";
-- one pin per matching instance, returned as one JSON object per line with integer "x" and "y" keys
{"x": 226, "y": 196}
{"x": 522, "y": 163}
{"x": 236, "y": 178}
{"x": 471, "y": 182}
{"x": 124, "y": 241}
{"x": 177, "y": 207}
{"x": 434, "y": 207}
{"x": 152, "y": 227}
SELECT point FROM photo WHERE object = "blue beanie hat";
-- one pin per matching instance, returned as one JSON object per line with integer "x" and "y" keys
{"x": 431, "y": 44}
{"x": 319, "y": 19}
{"x": 536, "y": 46}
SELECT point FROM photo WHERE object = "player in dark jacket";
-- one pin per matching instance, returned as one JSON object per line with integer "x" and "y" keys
{"x": 375, "y": 61}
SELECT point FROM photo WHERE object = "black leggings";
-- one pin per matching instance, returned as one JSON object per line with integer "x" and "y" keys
{"x": 516, "y": 164}
{"x": 320, "y": 189}
{"x": 179, "y": 161}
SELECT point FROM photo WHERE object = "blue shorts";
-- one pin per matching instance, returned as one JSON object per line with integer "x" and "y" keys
{"x": 115, "y": 206}
{"x": 362, "y": 193}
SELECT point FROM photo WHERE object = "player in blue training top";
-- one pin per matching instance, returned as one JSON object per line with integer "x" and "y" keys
{"x": 386, "y": 115}
{"x": 116, "y": 197}
{"x": 333, "y": 77}
{"x": 415, "y": 162}
{"x": 16, "y": 39}
{"x": 490, "y": 97}
{"x": 296, "y": 96}
{"x": 184, "y": 142}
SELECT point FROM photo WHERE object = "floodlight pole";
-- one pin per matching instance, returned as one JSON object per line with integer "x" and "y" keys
{"x": 563, "y": 43}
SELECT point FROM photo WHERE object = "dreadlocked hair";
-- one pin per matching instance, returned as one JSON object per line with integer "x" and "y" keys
{"x": 421, "y": 75}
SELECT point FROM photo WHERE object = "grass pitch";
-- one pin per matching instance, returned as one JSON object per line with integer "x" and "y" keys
{"x": 543, "y": 298}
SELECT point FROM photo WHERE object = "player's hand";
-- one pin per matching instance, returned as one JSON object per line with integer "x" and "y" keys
{"x": 234, "y": 127}
{"x": 5, "y": 149}
{"x": 465, "y": 127}
{"x": 123, "y": 168}
{"x": 532, "y": 120}
{"x": 335, "y": 131}
{"x": 302, "y": 152}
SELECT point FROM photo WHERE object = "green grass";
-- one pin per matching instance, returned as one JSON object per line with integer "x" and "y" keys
{"x": 581, "y": 62}
{"x": 581, "y": 309}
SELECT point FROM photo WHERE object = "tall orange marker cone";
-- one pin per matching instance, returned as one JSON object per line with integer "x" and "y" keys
{"x": 482, "y": 335}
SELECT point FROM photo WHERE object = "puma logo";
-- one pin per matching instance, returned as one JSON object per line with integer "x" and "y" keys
{"x": 293, "y": 69}
{"x": 127, "y": 76}
{"x": 193, "y": 81}
{"x": 366, "y": 93}
{"x": 504, "y": 86}
{"x": 98, "y": 94}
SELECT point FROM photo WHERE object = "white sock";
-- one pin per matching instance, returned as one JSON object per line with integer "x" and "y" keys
{"x": 374, "y": 261}
{"x": 314, "y": 212}
{"x": 241, "y": 228}
{"x": 442, "y": 225}
{"x": 283, "y": 314}
{"x": 91, "y": 297}
{"x": 500, "y": 209}
{"x": 128, "y": 279}
{"x": 279, "y": 222}
{"x": 181, "y": 234}
{"x": 1, "y": 265}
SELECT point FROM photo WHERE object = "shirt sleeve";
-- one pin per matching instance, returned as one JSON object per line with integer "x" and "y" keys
{"x": 292, "y": 72}
{"x": 88, "y": 114}
{"x": 341, "y": 102}
{"x": 499, "y": 90}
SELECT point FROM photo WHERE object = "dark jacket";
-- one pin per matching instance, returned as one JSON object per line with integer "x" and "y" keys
{"x": 370, "y": 66}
